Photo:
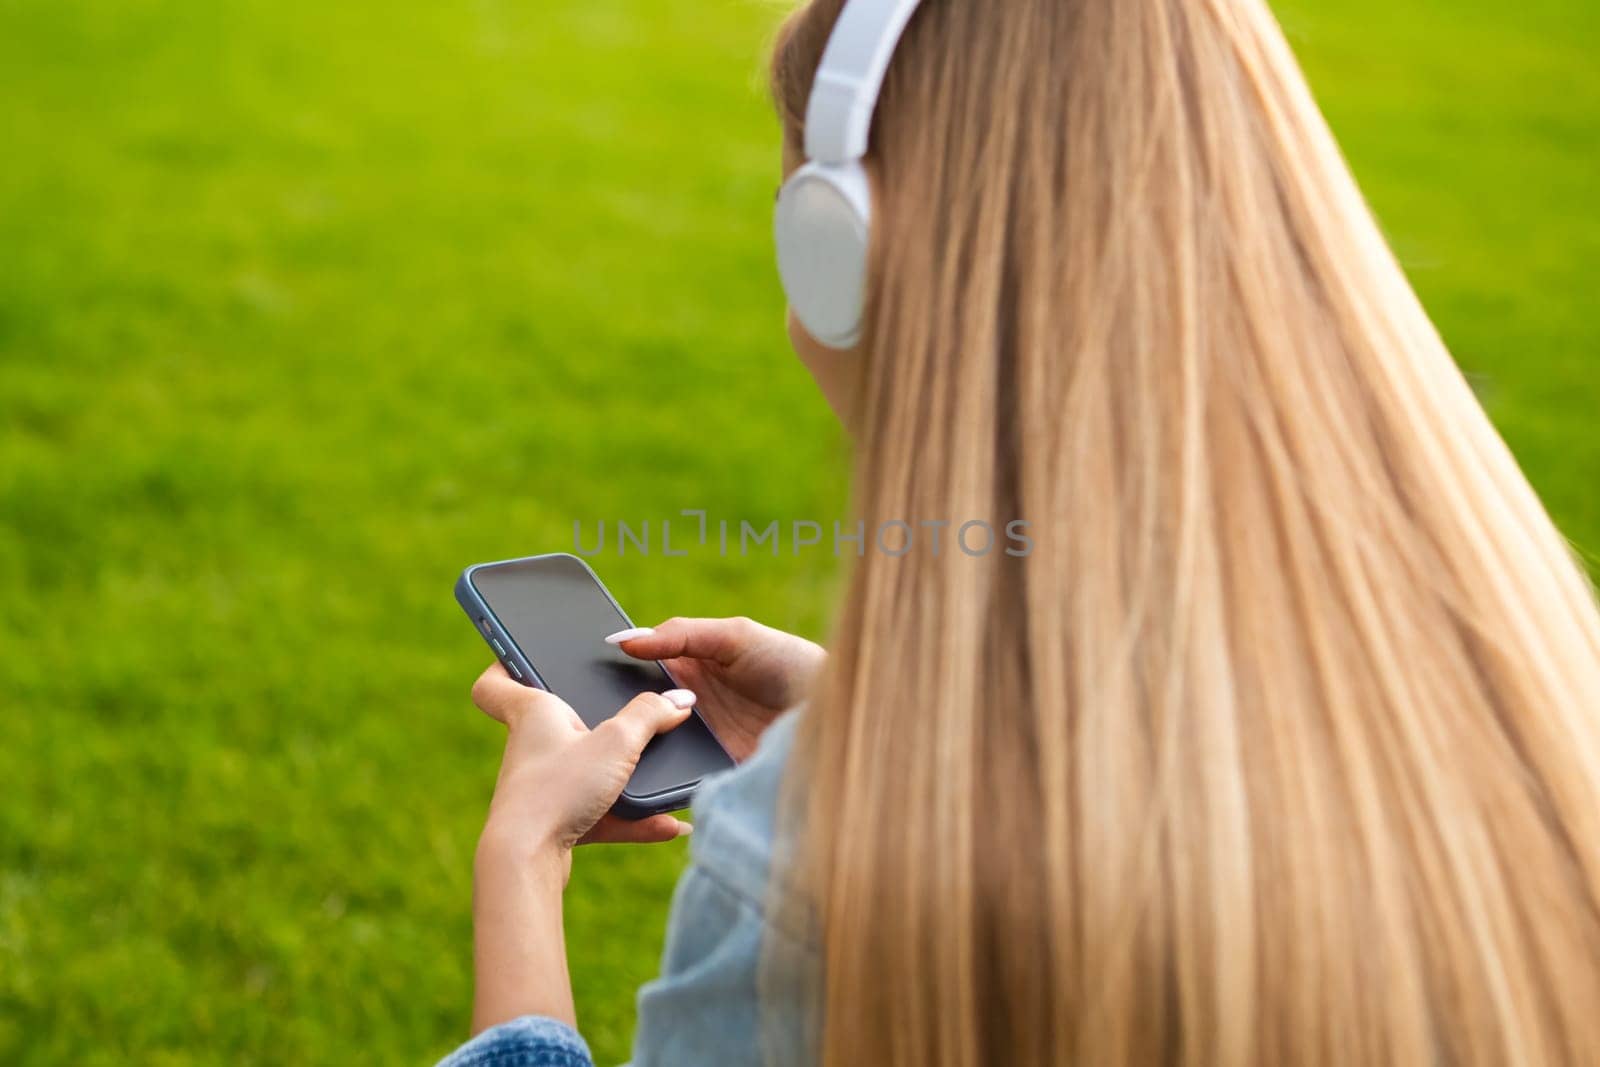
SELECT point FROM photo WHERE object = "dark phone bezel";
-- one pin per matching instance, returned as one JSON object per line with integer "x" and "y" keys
{"x": 515, "y": 660}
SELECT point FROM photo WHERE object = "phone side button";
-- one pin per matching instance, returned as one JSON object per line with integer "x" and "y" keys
{"x": 511, "y": 669}
{"x": 500, "y": 650}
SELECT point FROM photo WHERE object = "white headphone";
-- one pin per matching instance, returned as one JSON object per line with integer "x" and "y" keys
{"x": 824, "y": 213}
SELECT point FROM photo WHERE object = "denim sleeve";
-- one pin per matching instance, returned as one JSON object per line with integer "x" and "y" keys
{"x": 723, "y": 943}
{"x": 703, "y": 1010}
{"x": 531, "y": 1041}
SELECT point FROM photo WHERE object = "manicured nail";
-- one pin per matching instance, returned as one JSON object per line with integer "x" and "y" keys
{"x": 679, "y": 698}
{"x": 629, "y": 634}
{"x": 684, "y": 829}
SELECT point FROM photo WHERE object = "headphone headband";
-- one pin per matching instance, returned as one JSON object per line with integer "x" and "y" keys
{"x": 839, "y": 111}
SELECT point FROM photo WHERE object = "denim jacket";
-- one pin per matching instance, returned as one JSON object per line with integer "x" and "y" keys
{"x": 724, "y": 940}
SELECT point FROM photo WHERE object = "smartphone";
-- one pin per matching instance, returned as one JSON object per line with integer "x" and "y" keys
{"x": 546, "y": 618}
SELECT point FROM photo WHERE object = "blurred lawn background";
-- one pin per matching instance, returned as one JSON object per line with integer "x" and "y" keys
{"x": 304, "y": 306}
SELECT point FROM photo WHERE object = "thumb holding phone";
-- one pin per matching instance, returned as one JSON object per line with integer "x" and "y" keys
{"x": 558, "y": 778}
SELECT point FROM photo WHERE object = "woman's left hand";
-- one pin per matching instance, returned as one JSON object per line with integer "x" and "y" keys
{"x": 559, "y": 778}
{"x": 557, "y": 783}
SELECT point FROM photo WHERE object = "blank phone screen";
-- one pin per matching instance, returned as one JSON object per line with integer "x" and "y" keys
{"x": 558, "y": 615}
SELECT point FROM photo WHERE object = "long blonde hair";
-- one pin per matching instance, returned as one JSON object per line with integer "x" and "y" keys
{"x": 1283, "y": 743}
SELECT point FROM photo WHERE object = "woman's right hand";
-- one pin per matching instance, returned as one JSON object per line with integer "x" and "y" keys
{"x": 744, "y": 674}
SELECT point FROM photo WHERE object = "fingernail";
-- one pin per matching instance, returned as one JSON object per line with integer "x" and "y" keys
{"x": 684, "y": 829}
{"x": 629, "y": 634}
{"x": 680, "y": 698}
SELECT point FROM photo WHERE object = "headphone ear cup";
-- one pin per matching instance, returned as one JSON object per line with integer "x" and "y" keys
{"x": 822, "y": 226}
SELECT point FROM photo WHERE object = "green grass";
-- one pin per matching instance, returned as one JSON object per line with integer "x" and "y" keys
{"x": 303, "y": 306}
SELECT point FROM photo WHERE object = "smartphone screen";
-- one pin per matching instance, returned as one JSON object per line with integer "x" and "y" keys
{"x": 558, "y": 615}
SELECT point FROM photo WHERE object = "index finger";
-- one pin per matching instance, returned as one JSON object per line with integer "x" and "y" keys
{"x": 719, "y": 640}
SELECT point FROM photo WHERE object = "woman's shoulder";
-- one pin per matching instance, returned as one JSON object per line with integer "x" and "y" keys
{"x": 739, "y": 837}
{"x": 738, "y": 967}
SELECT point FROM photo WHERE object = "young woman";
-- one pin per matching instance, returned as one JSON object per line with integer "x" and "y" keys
{"x": 1282, "y": 745}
